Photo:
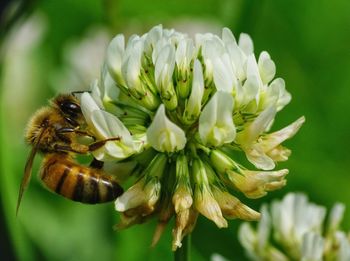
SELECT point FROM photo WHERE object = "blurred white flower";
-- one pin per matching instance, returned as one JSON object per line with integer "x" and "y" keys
{"x": 312, "y": 247}
{"x": 256, "y": 243}
{"x": 298, "y": 230}
{"x": 293, "y": 217}
{"x": 217, "y": 257}
{"x": 342, "y": 240}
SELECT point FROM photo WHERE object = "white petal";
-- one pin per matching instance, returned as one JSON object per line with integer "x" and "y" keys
{"x": 180, "y": 55}
{"x": 258, "y": 157}
{"x": 132, "y": 198}
{"x": 114, "y": 56}
{"x": 109, "y": 126}
{"x": 246, "y": 43}
{"x": 267, "y": 67}
{"x": 227, "y": 36}
{"x": 165, "y": 65}
{"x": 152, "y": 37}
{"x": 216, "y": 126}
{"x": 272, "y": 94}
{"x": 275, "y": 138}
{"x": 253, "y": 69}
{"x": 211, "y": 49}
{"x": 88, "y": 105}
{"x": 312, "y": 247}
{"x": 344, "y": 246}
{"x": 251, "y": 90}
{"x": 205, "y": 203}
{"x": 264, "y": 227}
{"x": 110, "y": 92}
{"x": 96, "y": 93}
{"x": 223, "y": 73}
{"x": 248, "y": 238}
{"x": 193, "y": 107}
{"x": 159, "y": 45}
{"x": 132, "y": 66}
{"x": 238, "y": 58}
{"x": 336, "y": 216}
{"x": 294, "y": 216}
{"x": 163, "y": 135}
{"x": 284, "y": 96}
{"x": 184, "y": 54}
{"x": 256, "y": 184}
{"x": 257, "y": 127}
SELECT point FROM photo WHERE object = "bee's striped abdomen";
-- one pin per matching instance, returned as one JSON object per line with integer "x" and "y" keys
{"x": 77, "y": 182}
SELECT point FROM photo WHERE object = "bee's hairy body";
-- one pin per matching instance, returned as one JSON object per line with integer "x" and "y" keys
{"x": 53, "y": 131}
{"x": 44, "y": 130}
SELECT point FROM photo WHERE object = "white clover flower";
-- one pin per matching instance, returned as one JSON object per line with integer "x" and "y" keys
{"x": 181, "y": 110}
{"x": 335, "y": 217}
{"x": 163, "y": 135}
{"x": 194, "y": 104}
{"x": 297, "y": 226}
{"x": 106, "y": 125}
{"x": 216, "y": 125}
{"x": 293, "y": 217}
{"x": 312, "y": 247}
{"x": 263, "y": 150}
{"x": 256, "y": 243}
{"x": 115, "y": 56}
{"x": 343, "y": 242}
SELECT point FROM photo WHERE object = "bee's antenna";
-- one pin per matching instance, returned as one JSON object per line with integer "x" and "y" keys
{"x": 79, "y": 92}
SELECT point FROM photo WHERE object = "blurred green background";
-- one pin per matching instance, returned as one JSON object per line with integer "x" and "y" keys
{"x": 57, "y": 46}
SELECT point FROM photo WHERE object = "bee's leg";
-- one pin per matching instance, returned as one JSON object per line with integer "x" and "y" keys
{"x": 80, "y": 148}
{"x": 64, "y": 130}
{"x": 74, "y": 147}
{"x": 75, "y": 130}
{"x": 98, "y": 144}
{"x": 72, "y": 121}
{"x": 85, "y": 133}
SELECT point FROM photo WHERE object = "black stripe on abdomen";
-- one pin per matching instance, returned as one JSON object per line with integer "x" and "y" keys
{"x": 79, "y": 188}
{"x": 62, "y": 179}
{"x": 111, "y": 190}
{"x": 117, "y": 189}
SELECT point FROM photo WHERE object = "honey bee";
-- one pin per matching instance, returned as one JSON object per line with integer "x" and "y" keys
{"x": 53, "y": 131}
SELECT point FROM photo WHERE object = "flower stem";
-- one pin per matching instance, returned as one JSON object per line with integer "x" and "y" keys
{"x": 184, "y": 252}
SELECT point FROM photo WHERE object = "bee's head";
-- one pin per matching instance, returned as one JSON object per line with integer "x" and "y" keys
{"x": 69, "y": 108}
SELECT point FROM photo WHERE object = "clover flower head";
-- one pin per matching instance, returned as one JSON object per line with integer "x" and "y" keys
{"x": 299, "y": 232}
{"x": 181, "y": 110}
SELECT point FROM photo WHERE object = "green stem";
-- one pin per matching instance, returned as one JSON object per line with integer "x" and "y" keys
{"x": 184, "y": 252}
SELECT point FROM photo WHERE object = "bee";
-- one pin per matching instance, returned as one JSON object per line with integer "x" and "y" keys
{"x": 53, "y": 131}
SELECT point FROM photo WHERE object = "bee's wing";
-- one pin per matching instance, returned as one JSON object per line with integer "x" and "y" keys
{"x": 27, "y": 175}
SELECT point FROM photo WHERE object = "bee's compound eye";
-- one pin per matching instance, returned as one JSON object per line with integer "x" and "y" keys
{"x": 70, "y": 108}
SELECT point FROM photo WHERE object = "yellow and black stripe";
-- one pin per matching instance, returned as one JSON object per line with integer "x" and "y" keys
{"x": 76, "y": 182}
